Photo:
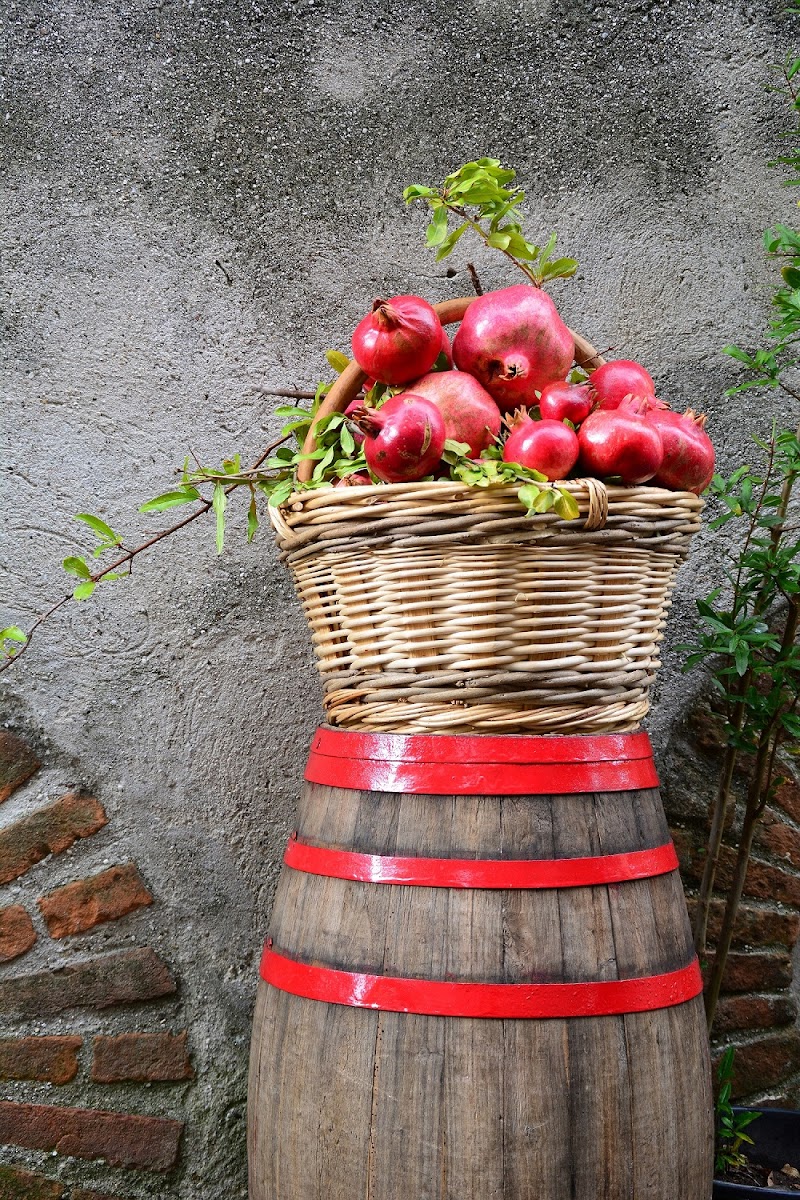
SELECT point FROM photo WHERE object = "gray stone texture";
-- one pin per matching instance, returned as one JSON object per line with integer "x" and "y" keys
{"x": 199, "y": 197}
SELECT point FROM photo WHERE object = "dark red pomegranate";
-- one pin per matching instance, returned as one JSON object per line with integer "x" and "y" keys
{"x": 514, "y": 342}
{"x": 404, "y": 439}
{"x": 470, "y": 414}
{"x": 547, "y": 446}
{"x": 621, "y": 441}
{"x": 399, "y": 340}
{"x": 357, "y": 479}
{"x": 688, "y": 463}
{"x": 612, "y": 382}
{"x": 561, "y": 401}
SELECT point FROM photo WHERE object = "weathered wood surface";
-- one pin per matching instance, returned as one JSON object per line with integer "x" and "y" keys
{"x": 349, "y": 1103}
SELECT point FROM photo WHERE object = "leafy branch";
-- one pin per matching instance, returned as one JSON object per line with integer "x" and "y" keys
{"x": 477, "y": 196}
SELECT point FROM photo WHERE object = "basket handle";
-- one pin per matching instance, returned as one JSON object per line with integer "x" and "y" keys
{"x": 348, "y": 385}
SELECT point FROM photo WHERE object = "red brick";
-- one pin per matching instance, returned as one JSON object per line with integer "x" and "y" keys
{"x": 787, "y": 797}
{"x": 48, "y": 1059}
{"x": 754, "y": 1012}
{"x": 121, "y": 978}
{"x": 17, "y": 764}
{"x": 16, "y": 1184}
{"x": 141, "y": 1057}
{"x": 778, "y": 838}
{"x": 754, "y": 926}
{"x": 108, "y": 896}
{"x": 763, "y": 881}
{"x": 757, "y": 972}
{"x": 121, "y": 1139}
{"x": 16, "y": 932}
{"x": 50, "y": 830}
{"x": 763, "y": 1063}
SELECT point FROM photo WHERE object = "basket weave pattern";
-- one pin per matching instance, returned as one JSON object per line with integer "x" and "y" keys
{"x": 435, "y": 607}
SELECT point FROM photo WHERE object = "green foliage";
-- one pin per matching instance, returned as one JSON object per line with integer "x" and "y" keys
{"x": 748, "y": 627}
{"x": 476, "y": 195}
{"x": 535, "y": 494}
{"x": 15, "y": 635}
{"x": 108, "y": 539}
{"x": 730, "y": 1126}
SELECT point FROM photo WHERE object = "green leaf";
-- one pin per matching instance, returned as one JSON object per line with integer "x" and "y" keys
{"x": 218, "y": 504}
{"x": 100, "y": 528}
{"x": 566, "y": 505}
{"x": 416, "y": 192}
{"x": 170, "y": 500}
{"x": 347, "y": 440}
{"x": 76, "y": 566}
{"x": 337, "y": 360}
{"x": 528, "y": 495}
{"x": 450, "y": 241}
{"x": 742, "y": 658}
{"x": 252, "y": 519}
{"x": 544, "y": 501}
{"x": 437, "y": 230}
{"x": 281, "y": 493}
{"x": 453, "y": 447}
{"x": 84, "y": 590}
{"x": 11, "y": 633}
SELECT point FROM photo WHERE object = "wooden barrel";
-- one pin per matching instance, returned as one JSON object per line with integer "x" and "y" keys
{"x": 479, "y": 980}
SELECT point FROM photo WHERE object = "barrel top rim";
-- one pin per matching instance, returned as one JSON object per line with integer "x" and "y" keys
{"x": 480, "y": 748}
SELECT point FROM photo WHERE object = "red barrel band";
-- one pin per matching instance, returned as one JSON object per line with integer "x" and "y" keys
{"x": 442, "y": 998}
{"x": 481, "y": 873}
{"x": 514, "y": 765}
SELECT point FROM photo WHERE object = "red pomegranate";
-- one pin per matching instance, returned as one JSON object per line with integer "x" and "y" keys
{"x": 562, "y": 400}
{"x": 621, "y": 441}
{"x": 688, "y": 463}
{"x": 615, "y": 380}
{"x": 399, "y": 340}
{"x": 404, "y": 439}
{"x": 547, "y": 446}
{"x": 470, "y": 414}
{"x": 514, "y": 342}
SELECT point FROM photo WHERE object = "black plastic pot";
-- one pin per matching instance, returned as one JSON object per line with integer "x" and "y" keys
{"x": 776, "y": 1135}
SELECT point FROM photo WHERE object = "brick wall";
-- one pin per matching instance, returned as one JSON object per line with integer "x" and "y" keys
{"x": 85, "y": 1103}
{"x": 758, "y": 1011}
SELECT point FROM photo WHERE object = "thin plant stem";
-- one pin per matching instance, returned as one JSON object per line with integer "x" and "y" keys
{"x": 127, "y": 558}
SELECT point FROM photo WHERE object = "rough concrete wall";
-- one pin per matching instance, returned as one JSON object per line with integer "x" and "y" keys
{"x": 199, "y": 198}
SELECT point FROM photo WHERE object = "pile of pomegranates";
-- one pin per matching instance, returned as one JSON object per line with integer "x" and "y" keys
{"x": 509, "y": 389}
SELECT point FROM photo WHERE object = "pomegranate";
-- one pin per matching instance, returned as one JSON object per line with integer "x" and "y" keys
{"x": 688, "y": 463}
{"x": 404, "y": 439}
{"x": 399, "y": 340}
{"x": 442, "y": 362}
{"x": 470, "y": 414}
{"x": 612, "y": 382}
{"x": 547, "y": 446}
{"x": 358, "y": 436}
{"x": 621, "y": 441}
{"x": 562, "y": 400}
{"x": 514, "y": 343}
{"x": 357, "y": 479}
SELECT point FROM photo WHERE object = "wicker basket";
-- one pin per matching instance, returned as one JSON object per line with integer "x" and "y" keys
{"x": 436, "y": 607}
